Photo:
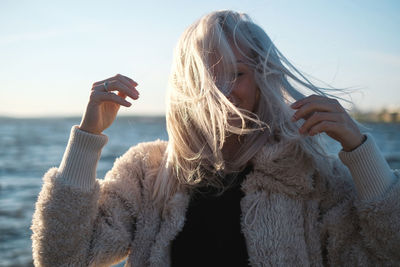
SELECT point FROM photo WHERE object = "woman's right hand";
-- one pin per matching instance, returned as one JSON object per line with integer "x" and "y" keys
{"x": 104, "y": 104}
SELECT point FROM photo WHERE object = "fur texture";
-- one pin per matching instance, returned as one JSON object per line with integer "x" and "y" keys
{"x": 298, "y": 216}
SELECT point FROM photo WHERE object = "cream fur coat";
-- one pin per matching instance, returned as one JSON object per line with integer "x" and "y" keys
{"x": 297, "y": 216}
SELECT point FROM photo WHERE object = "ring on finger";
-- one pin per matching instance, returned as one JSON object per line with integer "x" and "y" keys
{"x": 105, "y": 84}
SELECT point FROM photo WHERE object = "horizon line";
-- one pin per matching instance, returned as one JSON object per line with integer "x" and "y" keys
{"x": 66, "y": 116}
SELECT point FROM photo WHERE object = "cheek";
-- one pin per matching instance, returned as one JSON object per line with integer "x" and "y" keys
{"x": 256, "y": 99}
{"x": 245, "y": 94}
{"x": 253, "y": 94}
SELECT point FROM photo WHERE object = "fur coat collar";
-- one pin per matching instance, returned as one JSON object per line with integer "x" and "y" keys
{"x": 279, "y": 213}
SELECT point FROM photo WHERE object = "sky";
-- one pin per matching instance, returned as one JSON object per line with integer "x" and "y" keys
{"x": 51, "y": 52}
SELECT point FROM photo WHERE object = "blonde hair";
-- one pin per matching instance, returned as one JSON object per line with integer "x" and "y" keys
{"x": 199, "y": 112}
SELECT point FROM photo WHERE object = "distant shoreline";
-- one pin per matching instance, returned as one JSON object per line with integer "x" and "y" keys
{"x": 373, "y": 117}
{"x": 75, "y": 117}
{"x": 384, "y": 116}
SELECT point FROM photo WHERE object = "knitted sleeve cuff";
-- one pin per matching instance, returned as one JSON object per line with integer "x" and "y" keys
{"x": 78, "y": 166}
{"x": 371, "y": 173}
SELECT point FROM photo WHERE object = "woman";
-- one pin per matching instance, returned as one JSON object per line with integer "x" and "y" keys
{"x": 242, "y": 179}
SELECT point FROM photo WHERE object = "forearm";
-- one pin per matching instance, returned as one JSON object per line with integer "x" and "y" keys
{"x": 67, "y": 205}
{"x": 79, "y": 163}
{"x": 371, "y": 173}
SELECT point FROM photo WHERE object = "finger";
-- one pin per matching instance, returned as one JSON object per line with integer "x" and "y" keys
{"x": 123, "y": 79}
{"x": 100, "y": 87}
{"x": 123, "y": 89}
{"x": 111, "y": 97}
{"x": 129, "y": 83}
{"x": 311, "y": 98}
{"x": 325, "y": 126}
{"x": 308, "y": 109}
{"x": 127, "y": 80}
{"x": 319, "y": 117}
{"x": 118, "y": 76}
{"x": 116, "y": 85}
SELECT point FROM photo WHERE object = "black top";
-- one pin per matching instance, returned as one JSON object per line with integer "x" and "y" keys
{"x": 211, "y": 235}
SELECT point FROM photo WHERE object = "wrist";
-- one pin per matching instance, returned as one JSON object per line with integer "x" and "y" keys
{"x": 78, "y": 166}
{"x": 89, "y": 130}
{"x": 360, "y": 140}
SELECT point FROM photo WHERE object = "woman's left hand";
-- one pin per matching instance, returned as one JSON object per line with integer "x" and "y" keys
{"x": 323, "y": 114}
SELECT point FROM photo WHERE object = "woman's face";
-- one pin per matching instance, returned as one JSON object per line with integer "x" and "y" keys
{"x": 245, "y": 92}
